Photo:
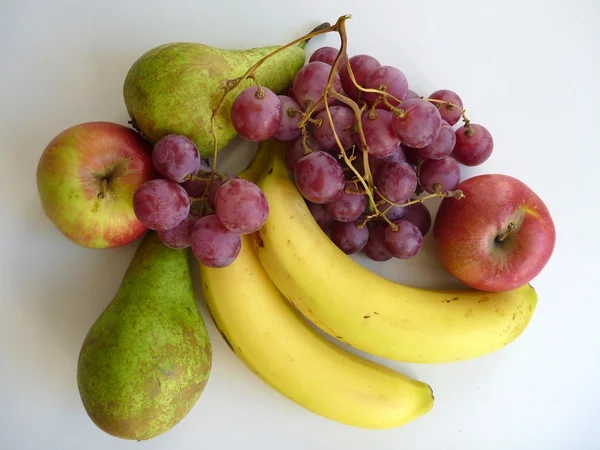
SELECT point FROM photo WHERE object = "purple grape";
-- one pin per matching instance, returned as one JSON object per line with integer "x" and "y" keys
{"x": 420, "y": 124}
{"x": 320, "y": 214}
{"x": 181, "y": 235}
{"x": 449, "y": 113}
{"x": 256, "y": 116}
{"x": 343, "y": 120}
{"x": 377, "y": 127}
{"x": 375, "y": 248}
{"x": 348, "y": 237}
{"x": 398, "y": 87}
{"x": 419, "y": 215}
{"x": 412, "y": 94}
{"x": 296, "y": 151}
{"x": 473, "y": 150}
{"x": 161, "y": 204}
{"x": 290, "y": 117}
{"x": 396, "y": 181}
{"x": 441, "y": 146}
{"x": 394, "y": 213}
{"x": 310, "y": 83}
{"x": 175, "y": 156}
{"x": 327, "y": 55}
{"x": 396, "y": 155}
{"x": 241, "y": 206}
{"x": 445, "y": 172}
{"x": 319, "y": 177}
{"x": 213, "y": 244}
{"x": 347, "y": 207}
{"x": 380, "y": 79}
{"x": 405, "y": 242}
{"x": 361, "y": 66}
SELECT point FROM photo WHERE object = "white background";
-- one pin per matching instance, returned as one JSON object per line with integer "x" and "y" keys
{"x": 528, "y": 70}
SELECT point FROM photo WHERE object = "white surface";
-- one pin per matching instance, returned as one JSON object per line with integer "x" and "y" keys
{"x": 528, "y": 70}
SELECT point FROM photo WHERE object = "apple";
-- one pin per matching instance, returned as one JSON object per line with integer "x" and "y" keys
{"x": 498, "y": 237}
{"x": 86, "y": 178}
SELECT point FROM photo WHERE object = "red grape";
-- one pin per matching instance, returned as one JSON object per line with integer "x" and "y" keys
{"x": 375, "y": 248}
{"x": 418, "y": 214}
{"x": 290, "y": 116}
{"x": 420, "y": 124}
{"x": 161, "y": 204}
{"x": 348, "y": 237}
{"x": 213, "y": 244}
{"x": 320, "y": 214}
{"x": 181, "y": 235}
{"x": 175, "y": 156}
{"x": 256, "y": 116}
{"x": 441, "y": 146}
{"x": 241, "y": 206}
{"x": 377, "y": 163}
{"x": 380, "y": 79}
{"x": 445, "y": 172}
{"x": 347, "y": 207}
{"x": 382, "y": 141}
{"x": 412, "y": 94}
{"x": 310, "y": 83}
{"x": 405, "y": 242}
{"x": 396, "y": 181}
{"x": 327, "y": 55}
{"x": 319, "y": 177}
{"x": 361, "y": 66}
{"x": 449, "y": 113}
{"x": 473, "y": 150}
{"x": 394, "y": 213}
{"x": 343, "y": 119}
{"x": 296, "y": 151}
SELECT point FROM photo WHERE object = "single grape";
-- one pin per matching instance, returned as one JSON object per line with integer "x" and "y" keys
{"x": 441, "y": 146}
{"x": 448, "y": 112}
{"x": 320, "y": 214}
{"x": 361, "y": 66}
{"x": 241, "y": 206}
{"x": 473, "y": 150}
{"x": 175, "y": 156}
{"x": 380, "y": 79}
{"x": 319, "y": 177}
{"x": 256, "y": 114}
{"x": 394, "y": 212}
{"x": 419, "y": 215}
{"x": 412, "y": 94}
{"x": 181, "y": 235}
{"x": 296, "y": 151}
{"x": 445, "y": 172}
{"x": 161, "y": 204}
{"x": 405, "y": 242}
{"x": 343, "y": 120}
{"x": 290, "y": 116}
{"x": 396, "y": 181}
{"x": 348, "y": 237}
{"x": 377, "y": 163}
{"x": 375, "y": 248}
{"x": 347, "y": 207}
{"x": 382, "y": 141}
{"x": 419, "y": 125}
{"x": 213, "y": 244}
{"x": 310, "y": 83}
{"x": 327, "y": 55}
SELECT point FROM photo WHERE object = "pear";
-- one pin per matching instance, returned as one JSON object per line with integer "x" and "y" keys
{"x": 173, "y": 88}
{"x": 146, "y": 360}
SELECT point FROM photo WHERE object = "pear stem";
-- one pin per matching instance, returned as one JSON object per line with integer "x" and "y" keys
{"x": 103, "y": 188}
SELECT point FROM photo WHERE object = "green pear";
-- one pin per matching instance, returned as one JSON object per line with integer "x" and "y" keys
{"x": 145, "y": 361}
{"x": 173, "y": 88}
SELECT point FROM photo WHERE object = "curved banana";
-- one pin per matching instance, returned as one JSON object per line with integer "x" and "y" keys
{"x": 365, "y": 310}
{"x": 273, "y": 340}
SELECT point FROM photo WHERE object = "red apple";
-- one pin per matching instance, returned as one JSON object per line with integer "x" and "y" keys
{"x": 498, "y": 237}
{"x": 86, "y": 178}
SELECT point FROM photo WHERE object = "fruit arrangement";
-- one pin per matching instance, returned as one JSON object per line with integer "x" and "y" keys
{"x": 347, "y": 155}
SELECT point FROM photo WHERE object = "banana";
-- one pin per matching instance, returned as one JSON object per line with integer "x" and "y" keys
{"x": 365, "y": 310}
{"x": 273, "y": 340}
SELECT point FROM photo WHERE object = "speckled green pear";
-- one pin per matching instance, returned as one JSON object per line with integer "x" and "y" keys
{"x": 146, "y": 359}
{"x": 173, "y": 88}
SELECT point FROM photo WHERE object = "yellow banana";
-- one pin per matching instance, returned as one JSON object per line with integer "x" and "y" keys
{"x": 273, "y": 340}
{"x": 365, "y": 310}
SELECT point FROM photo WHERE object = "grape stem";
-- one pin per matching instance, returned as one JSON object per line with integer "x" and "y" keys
{"x": 468, "y": 129}
{"x": 457, "y": 194}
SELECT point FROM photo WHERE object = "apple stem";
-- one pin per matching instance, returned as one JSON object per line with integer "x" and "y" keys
{"x": 103, "y": 187}
{"x": 511, "y": 227}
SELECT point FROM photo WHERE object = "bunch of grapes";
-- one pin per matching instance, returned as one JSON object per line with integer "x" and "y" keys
{"x": 367, "y": 200}
{"x": 194, "y": 206}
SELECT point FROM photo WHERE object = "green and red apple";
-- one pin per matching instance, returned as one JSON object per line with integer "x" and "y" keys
{"x": 86, "y": 178}
{"x": 498, "y": 237}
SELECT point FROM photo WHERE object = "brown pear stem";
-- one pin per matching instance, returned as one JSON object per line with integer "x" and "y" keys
{"x": 103, "y": 188}
{"x": 509, "y": 229}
